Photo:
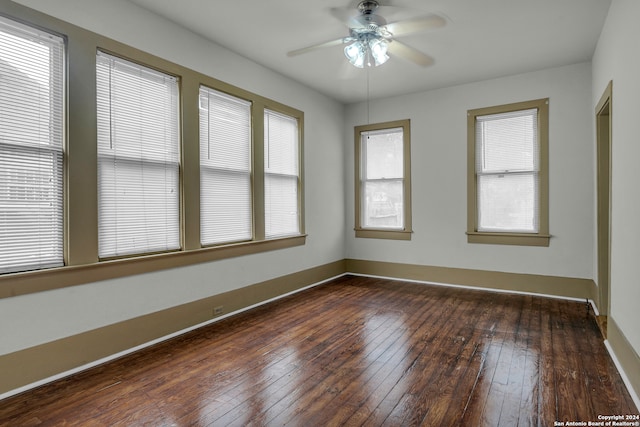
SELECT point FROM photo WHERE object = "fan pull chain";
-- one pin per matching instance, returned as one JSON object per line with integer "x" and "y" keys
{"x": 368, "y": 94}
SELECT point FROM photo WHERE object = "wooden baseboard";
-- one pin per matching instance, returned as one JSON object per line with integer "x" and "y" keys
{"x": 625, "y": 357}
{"x": 36, "y": 364}
{"x": 563, "y": 287}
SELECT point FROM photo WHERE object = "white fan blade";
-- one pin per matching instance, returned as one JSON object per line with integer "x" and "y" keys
{"x": 391, "y": 13}
{"x": 352, "y": 17}
{"x": 402, "y": 28}
{"x": 347, "y": 16}
{"x": 319, "y": 46}
{"x": 409, "y": 53}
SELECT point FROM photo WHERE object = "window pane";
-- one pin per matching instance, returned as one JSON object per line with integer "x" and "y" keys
{"x": 281, "y": 143}
{"x": 382, "y": 154}
{"x": 138, "y": 158}
{"x": 281, "y": 205}
{"x": 225, "y": 207}
{"x": 136, "y": 204}
{"x": 31, "y": 148}
{"x": 383, "y": 204}
{"x": 507, "y": 141}
{"x": 281, "y": 175}
{"x": 225, "y": 168}
{"x": 508, "y": 203}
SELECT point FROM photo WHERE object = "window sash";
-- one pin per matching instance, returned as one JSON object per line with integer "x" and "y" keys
{"x": 384, "y": 208}
{"x": 282, "y": 175}
{"x": 138, "y": 159}
{"x": 226, "y": 205}
{"x": 508, "y": 142}
{"x": 31, "y": 148}
{"x": 134, "y": 217}
{"x": 387, "y": 213}
{"x": 508, "y": 208}
{"x": 508, "y": 172}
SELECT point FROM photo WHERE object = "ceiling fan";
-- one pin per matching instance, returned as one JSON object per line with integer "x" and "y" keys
{"x": 371, "y": 37}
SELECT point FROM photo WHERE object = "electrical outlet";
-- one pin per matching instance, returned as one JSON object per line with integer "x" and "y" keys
{"x": 218, "y": 310}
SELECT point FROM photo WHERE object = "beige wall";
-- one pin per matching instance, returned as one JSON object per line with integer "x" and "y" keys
{"x": 439, "y": 175}
{"x": 616, "y": 60}
{"x": 38, "y": 318}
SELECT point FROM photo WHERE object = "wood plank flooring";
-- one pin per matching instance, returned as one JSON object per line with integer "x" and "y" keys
{"x": 356, "y": 352}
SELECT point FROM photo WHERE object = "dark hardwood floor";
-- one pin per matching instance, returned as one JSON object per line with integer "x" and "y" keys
{"x": 355, "y": 351}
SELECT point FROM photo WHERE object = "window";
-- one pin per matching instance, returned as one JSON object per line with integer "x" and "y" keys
{"x": 124, "y": 178}
{"x": 508, "y": 189}
{"x": 225, "y": 168}
{"x": 138, "y": 159}
{"x": 282, "y": 175}
{"x": 383, "y": 180}
{"x": 31, "y": 148}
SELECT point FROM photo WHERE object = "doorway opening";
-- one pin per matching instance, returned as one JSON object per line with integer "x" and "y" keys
{"x": 603, "y": 147}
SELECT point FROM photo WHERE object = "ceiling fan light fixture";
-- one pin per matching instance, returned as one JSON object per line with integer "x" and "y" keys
{"x": 378, "y": 49}
{"x": 372, "y": 51}
{"x": 355, "y": 53}
{"x": 369, "y": 36}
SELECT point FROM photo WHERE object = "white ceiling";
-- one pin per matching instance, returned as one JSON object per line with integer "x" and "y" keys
{"x": 483, "y": 39}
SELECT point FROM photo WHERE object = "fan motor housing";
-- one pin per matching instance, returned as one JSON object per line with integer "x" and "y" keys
{"x": 371, "y": 21}
{"x": 367, "y": 6}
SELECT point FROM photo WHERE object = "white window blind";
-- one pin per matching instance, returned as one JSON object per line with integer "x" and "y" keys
{"x": 507, "y": 172}
{"x": 281, "y": 179}
{"x": 382, "y": 179}
{"x": 138, "y": 158}
{"x": 225, "y": 168}
{"x": 31, "y": 148}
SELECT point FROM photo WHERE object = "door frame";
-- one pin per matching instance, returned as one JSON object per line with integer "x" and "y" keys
{"x": 603, "y": 117}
